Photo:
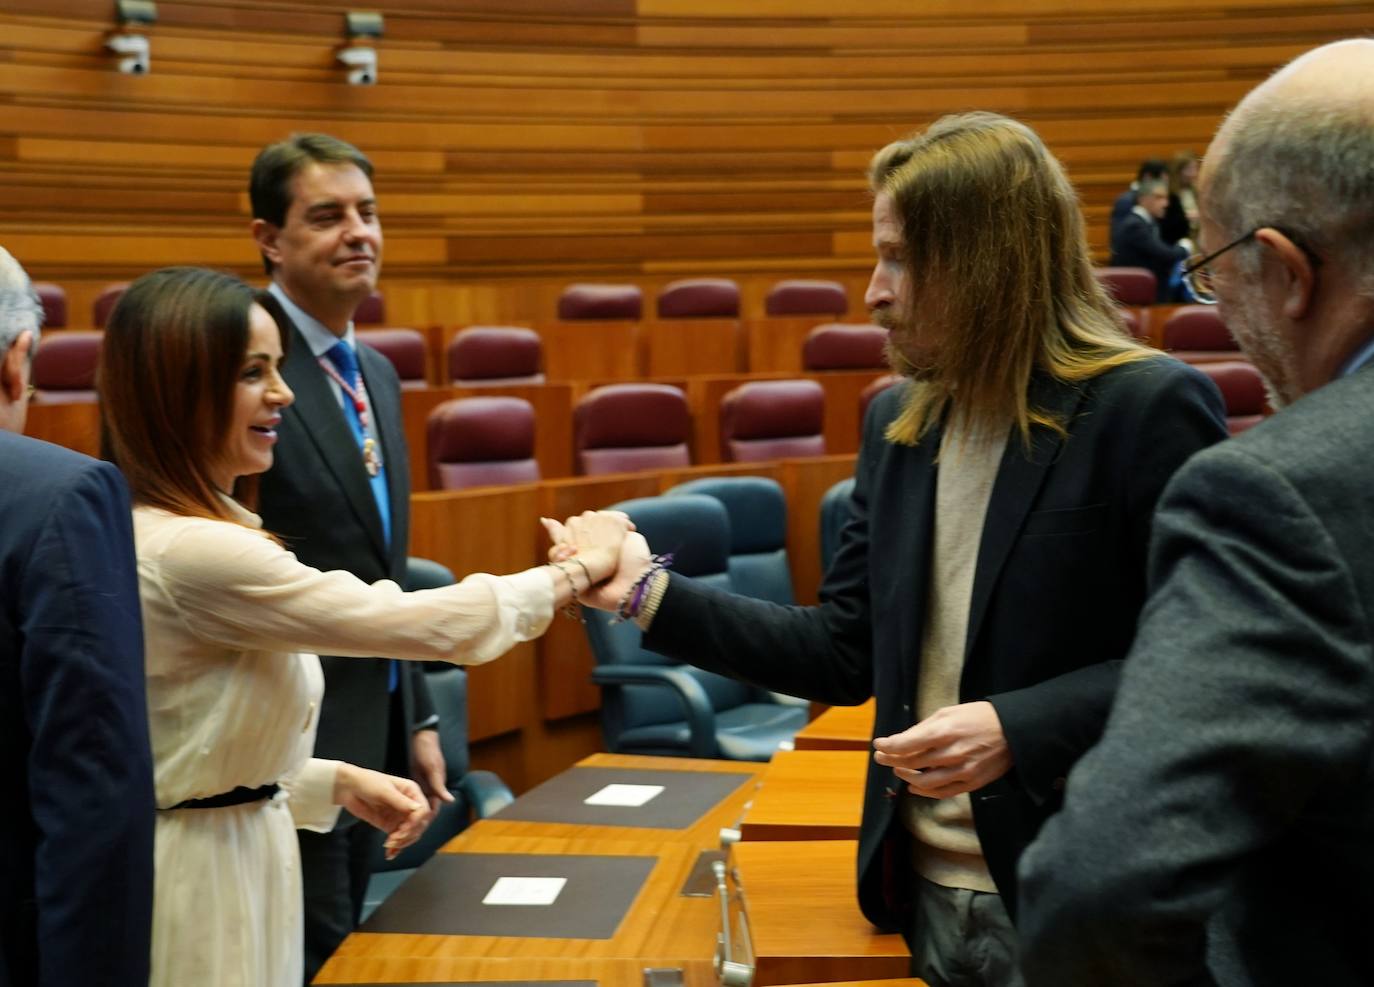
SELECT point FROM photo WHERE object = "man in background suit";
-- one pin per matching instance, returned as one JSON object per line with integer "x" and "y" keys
{"x": 1223, "y": 830}
{"x": 76, "y": 840}
{"x": 1137, "y": 242}
{"x": 339, "y": 491}
{"x": 1150, "y": 170}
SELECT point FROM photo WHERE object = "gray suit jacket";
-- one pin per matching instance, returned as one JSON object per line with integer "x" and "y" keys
{"x": 1223, "y": 830}
{"x": 317, "y": 499}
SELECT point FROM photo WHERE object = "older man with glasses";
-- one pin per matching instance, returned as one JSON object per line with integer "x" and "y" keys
{"x": 1223, "y": 830}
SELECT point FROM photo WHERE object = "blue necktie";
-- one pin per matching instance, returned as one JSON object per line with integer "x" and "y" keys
{"x": 346, "y": 363}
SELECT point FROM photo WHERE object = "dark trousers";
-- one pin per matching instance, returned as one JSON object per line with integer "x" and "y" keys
{"x": 335, "y": 867}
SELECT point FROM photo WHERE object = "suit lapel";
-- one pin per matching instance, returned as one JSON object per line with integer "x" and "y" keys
{"x": 322, "y": 419}
{"x": 387, "y": 421}
{"x": 1019, "y": 479}
{"x": 914, "y": 544}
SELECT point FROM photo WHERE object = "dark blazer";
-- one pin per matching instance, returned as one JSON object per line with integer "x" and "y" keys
{"x": 76, "y": 836}
{"x": 1136, "y": 243}
{"x": 1060, "y": 577}
{"x": 316, "y": 497}
{"x": 1223, "y": 831}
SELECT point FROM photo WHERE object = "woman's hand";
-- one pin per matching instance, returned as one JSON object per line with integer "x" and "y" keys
{"x": 396, "y": 806}
{"x": 593, "y": 537}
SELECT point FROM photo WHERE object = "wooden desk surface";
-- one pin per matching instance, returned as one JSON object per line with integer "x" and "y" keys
{"x": 808, "y": 795}
{"x": 847, "y": 728}
{"x": 661, "y": 928}
{"x": 428, "y": 970}
{"x": 804, "y": 915}
{"x": 704, "y": 833}
{"x": 893, "y": 982}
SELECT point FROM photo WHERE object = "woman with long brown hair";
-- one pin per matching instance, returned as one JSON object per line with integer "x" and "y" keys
{"x": 190, "y": 394}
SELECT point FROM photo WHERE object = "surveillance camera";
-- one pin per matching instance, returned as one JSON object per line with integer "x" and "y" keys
{"x": 135, "y": 49}
{"x": 362, "y": 60}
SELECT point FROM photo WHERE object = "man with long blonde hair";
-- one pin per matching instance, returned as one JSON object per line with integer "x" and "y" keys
{"x": 990, "y": 575}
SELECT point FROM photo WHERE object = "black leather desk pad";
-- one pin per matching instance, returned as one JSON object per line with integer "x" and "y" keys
{"x": 686, "y": 797}
{"x": 444, "y": 897}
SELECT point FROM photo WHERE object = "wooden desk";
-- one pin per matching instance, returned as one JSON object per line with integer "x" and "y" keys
{"x": 840, "y": 728}
{"x": 804, "y": 915}
{"x": 808, "y": 795}
{"x": 704, "y": 833}
{"x": 427, "y": 970}
{"x": 895, "y": 982}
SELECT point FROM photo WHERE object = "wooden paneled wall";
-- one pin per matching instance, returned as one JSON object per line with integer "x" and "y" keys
{"x": 521, "y": 144}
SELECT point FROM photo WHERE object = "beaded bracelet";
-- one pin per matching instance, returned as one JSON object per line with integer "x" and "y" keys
{"x": 634, "y": 597}
{"x": 571, "y": 610}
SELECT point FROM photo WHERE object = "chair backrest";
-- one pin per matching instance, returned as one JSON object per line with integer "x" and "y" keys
{"x": 481, "y": 442}
{"x": 1198, "y": 328}
{"x": 371, "y": 311}
{"x": 54, "y": 300}
{"x": 495, "y": 355}
{"x": 64, "y": 367}
{"x": 845, "y": 346}
{"x": 601, "y": 302}
{"x": 405, "y": 348}
{"x": 1129, "y": 285}
{"x": 699, "y": 298}
{"x": 1242, "y": 389}
{"x": 834, "y": 516}
{"x": 806, "y": 297}
{"x": 1133, "y": 326}
{"x": 757, "y": 510}
{"x": 696, "y": 530}
{"x": 772, "y": 419}
{"x": 623, "y": 427}
{"x": 874, "y": 388}
{"x": 105, "y": 302}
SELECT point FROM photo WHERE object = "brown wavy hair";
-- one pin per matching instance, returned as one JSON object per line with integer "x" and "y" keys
{"x": 173, "y": 348}
{"x": 991, "y": 222}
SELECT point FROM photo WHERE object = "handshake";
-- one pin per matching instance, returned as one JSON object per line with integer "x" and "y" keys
{"x": 615, "y": 560}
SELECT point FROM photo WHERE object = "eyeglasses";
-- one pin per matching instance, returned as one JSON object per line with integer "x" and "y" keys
{"x": 1200, "y": 278}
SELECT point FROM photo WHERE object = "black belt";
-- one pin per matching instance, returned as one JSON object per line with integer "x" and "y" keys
{"x": 239, "y": 796}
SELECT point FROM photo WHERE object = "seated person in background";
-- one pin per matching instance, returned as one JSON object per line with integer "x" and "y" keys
{"x": 190, "y": 393}
{"x": 1150, "y": 170}
{"x": 987, "y": 584}
{"x": 1136, "y": 241}
{"x": 1179, "y": 221}
{"x": 76, "y": 882}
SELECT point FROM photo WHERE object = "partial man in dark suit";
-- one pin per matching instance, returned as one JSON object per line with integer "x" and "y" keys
{"x": 339, "y": 491}
{"x": 1223, "y": 830}
{"x": 76, "y": 840}
{"x": 1150, "y": 170}
{"x": 988, "y": 580}
{"x": 1137, "y": 242}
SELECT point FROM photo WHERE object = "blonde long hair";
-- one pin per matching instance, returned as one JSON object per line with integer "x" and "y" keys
{"x": 997, "y": 257}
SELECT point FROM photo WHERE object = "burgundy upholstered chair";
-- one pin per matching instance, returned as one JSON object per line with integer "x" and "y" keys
{"x": 64, "y": 367}
{"x": 801, "y": 297}
{"x": 105, "y": 302}
{"x": 1129, "y": 285}
{"x": 870, "y": 392}
{"x": 1242, "y": 388}
{"x": 1196, "y": 334}
{"x": 405, "y": 348}
{"x": 772, "y": 419}
{"x": 624, "y": 427}
{"x": 699, "y": 298}
{"x": 481, "y": 442}
{"x": 489, "y": 355}
{"x": 600, "y": 302}
{"x": 845, "y": 346}
{"x": 54, "y": 300}
{"x": 1132, "y": 321}
{"x": 371, "y": 311}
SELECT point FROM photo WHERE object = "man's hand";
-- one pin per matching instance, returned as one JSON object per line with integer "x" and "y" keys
{"x": 430, "y": 770}
{"x": 954, "y": 750}
{"x": 394, "y": 805}
{"x": 635, "y": 556}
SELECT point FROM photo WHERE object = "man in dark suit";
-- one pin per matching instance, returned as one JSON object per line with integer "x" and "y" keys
{"x": 76, "y": 841}
{"x": 1223, "y": 830}
{"x": 1150, "y": 170}
{"x": 339, "y": 491}
{"x": 986, "y": 585}
{"x": 1136, "y": 240}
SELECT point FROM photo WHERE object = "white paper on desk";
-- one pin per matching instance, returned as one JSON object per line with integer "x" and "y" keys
{"x": 525, "y": 891}
{"x": 624, "y": 795}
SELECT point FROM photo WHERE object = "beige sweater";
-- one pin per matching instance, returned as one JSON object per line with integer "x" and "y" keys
{"x": 946, "y": 850}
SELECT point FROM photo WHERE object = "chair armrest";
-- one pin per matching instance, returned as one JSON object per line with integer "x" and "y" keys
{"x": 700, "y": 716}
{"x": 485, "y": 792}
